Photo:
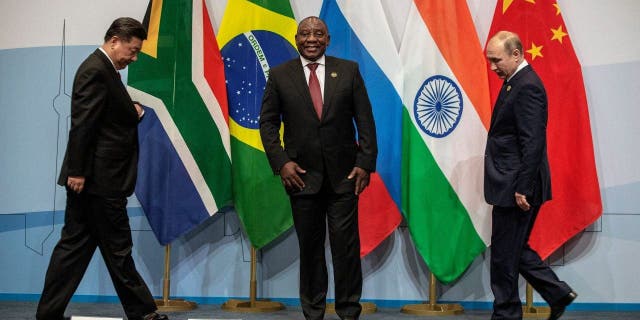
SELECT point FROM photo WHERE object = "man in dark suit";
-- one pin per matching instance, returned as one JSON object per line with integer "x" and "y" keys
{"x": 517, "y": 181}
{"x": 321, "y": 100}
{"x": 99, "y": 172}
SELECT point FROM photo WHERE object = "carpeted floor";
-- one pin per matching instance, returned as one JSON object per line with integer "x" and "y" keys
{"x": 26, "y": 310}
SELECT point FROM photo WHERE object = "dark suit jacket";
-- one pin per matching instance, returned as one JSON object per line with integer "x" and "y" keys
{"x": 516, "y": 152}
{"x": 326, "y": 148}
{"x": 103, "y": 140}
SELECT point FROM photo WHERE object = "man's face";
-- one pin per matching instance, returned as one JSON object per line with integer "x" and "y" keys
{"x": 124, "y": 52}
{"x": 503, "y": 63}
{"x": 312, "y": 38}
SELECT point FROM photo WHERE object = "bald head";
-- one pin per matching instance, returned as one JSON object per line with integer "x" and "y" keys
{"x": 509, "y": 40}
{"x": 504, "y": 53}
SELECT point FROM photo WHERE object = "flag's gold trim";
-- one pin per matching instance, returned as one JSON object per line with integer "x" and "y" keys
{"x": 150, "y": 46}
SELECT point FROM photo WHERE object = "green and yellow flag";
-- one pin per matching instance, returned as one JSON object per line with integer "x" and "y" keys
{"x": 255, "y": 36}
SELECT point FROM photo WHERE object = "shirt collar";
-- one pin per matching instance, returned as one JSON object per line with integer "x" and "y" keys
{"x": 523, "y": 64}
{"x": 306, "y": 61}
{"x": 105, "y": 53}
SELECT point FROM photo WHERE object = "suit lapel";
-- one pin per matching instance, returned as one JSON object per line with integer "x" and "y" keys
{"x": 498, "y": 104}
{"x": 116, "y": 80}
{"x": 504, "y": 91}
{"x": 331, "y": 76}
{"x": 108, "y": 66}
{"x": 300, "y": 83}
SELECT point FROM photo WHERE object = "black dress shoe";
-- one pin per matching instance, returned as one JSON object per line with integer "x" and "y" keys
{"x": 558, "y": 308}
{"x": 156, "y": 316}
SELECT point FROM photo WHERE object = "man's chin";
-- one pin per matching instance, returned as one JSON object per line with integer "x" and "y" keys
{"x": 312, "y": 55}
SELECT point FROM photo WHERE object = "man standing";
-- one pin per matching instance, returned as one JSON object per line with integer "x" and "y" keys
{"x": 322, "y": 101}
{"x": 99, "y": 172}
{"x": 517, "y": 181}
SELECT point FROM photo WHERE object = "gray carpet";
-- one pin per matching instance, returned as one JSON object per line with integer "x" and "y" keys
{"x": 26, "y": 310}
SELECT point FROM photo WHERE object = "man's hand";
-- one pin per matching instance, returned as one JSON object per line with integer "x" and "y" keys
{"x": 76, "y": 184}
{"x": 521, "y": 201}
{"x": 290, "y": 178}
{"x": 139, "y": 110}
{"x": 362, "y": 178}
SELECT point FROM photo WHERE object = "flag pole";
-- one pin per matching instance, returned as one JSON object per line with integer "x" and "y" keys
{"x": 431, "y": 308}
{"x": 529, "y": 311}
{"x": 166, "y": 304}
{"x": 253, "y": 305}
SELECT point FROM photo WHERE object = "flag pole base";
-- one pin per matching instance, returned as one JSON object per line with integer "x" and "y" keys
{"x": 529, "y": 311}
{"x": 432, "y": 308}
{"x": 367, "y": 308}
{"x": 426, "y": 309}
{"x": 175, "y": 305}
{"x": 535, "y": 312}
{"x": 165, "y": 304}
{"x": 257, "y": 306}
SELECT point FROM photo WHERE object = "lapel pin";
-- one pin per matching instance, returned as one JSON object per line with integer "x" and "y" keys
{"x": 508, "y": 88}
{"x": 334, "y": 74}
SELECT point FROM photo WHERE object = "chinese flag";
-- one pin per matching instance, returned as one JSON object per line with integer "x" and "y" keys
{"x": 547, "y": 47}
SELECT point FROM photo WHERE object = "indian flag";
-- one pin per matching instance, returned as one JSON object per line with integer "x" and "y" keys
{"x": 445, "y": 121}
{"x": 184, "y": 171}
{"x": 255, "y": 36}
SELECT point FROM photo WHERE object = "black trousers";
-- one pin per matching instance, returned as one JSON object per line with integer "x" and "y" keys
{"x": 511, "y": 255}
{"x": 92, "y": 221}
{"x": 311, "y": 215}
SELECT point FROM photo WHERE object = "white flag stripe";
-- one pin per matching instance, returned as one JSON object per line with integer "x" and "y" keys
{"x": 200, "y": 82}
{"x": 369, "y": 22}
{"x": 179, "y": 144}
{"x": 459, "y": 155}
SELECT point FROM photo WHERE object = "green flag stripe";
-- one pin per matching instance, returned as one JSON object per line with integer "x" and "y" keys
{"x": 258, "y": 195}
{"x": 279, "y": 6}
{"x": 439, "y": 224}
{"x": 184, "y": 103}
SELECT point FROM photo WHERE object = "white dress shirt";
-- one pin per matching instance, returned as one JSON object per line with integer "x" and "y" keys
{"x": 319, "y": 71}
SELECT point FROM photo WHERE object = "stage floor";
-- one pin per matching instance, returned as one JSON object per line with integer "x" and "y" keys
{"x": 26, "y": 310}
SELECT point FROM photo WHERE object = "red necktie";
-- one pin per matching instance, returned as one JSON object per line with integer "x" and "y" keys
{"x": 314, "y": 89}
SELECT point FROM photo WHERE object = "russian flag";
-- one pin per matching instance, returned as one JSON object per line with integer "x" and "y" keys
{"x": 359, "y": 32}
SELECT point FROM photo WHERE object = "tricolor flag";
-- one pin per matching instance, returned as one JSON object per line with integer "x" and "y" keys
{"x": 360, "y": 32}
{"x": 184, "y": 171}
{"x": 255, "y": 36}
{"x": 576, "y": 202}
{"x": 444, "y": 133}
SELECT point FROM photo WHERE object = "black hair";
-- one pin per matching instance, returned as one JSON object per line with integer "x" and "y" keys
{"x": 126, "y": 28}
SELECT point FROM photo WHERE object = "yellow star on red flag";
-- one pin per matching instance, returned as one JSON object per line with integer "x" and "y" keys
{"x": 558, "y": 34}
{"x": 507, "y": 3}
{"x": 535, "y": 51}
{"x": 557, "y": 8}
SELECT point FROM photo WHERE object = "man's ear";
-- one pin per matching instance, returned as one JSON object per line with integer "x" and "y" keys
{"x": 517, "y": 53}
{"x": 112, "y": 41}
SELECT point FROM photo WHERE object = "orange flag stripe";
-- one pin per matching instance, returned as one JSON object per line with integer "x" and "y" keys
{"x": 463, "y": 55}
